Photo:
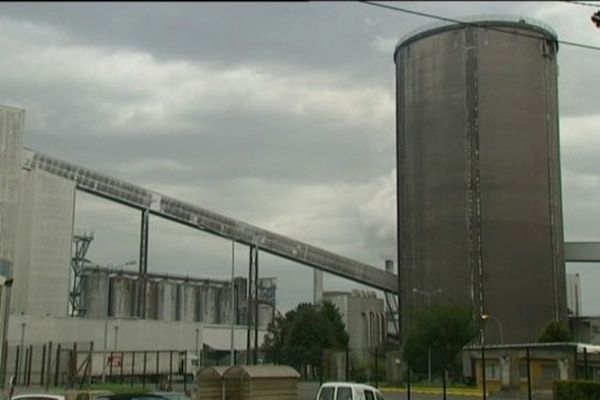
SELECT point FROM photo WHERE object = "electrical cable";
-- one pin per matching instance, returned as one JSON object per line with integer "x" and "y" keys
{"x": 475, "y": 24}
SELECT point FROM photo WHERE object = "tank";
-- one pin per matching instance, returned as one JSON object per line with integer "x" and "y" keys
{"x": 122, "y": 296}
{"x": 151, "y": 310}
{"x": 94, "y": 286}
{"x": 479, "y": 204}
{"x": 224, "y": 305}
{"x": 265, "y": 315}
{"x": 207, "y": 304}
{"x": 166, "y": 300}
{"x": 188, "y": 302}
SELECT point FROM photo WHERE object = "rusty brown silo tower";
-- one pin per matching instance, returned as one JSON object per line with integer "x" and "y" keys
{"x": 479, "y": 188}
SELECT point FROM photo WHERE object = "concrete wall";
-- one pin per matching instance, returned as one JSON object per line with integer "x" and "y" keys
{"x": 11, "y": 136}
{"x": 42, "y": 265}
{"x": 364, "y": 317}
{"x": 130, "y": 334}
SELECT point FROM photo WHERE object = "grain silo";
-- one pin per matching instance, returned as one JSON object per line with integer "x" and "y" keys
{"x": 479, "y": 191}
{"x": 95, "y": 283}
{"x": 122, "y": 294}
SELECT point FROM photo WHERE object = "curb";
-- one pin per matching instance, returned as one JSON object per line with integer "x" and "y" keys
{"x": 450, "y": 392}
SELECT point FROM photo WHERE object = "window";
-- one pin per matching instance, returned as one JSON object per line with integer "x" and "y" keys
{"x": 369, "y": 395}
{"x": 344, "y": 393}
{"x": 326, "y": 393}
{"x": 379, "y": 396}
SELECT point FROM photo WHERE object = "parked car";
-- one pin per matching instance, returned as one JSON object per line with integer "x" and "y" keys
{"x": 38, "y": 396}
{"x": 86, "y": 394}
{"x": 132, "y": 396}
{"x": 348, "y": 391}
{"x": 172, "y": 395}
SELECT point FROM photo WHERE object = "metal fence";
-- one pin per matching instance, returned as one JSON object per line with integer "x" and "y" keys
{"x": 71, "y": 365}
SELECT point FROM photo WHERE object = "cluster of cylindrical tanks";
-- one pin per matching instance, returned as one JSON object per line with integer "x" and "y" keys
{"x": 107, "y": 293}
{"x": 114, "y": 295}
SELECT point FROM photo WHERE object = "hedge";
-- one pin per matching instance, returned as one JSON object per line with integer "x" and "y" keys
{"x": 576, "y": 390}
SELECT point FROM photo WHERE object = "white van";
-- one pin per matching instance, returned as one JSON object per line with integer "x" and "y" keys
{"x": 348, "y": 391}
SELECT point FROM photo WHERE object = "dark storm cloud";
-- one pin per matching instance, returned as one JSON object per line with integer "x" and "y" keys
{"x": 278, "y": 114}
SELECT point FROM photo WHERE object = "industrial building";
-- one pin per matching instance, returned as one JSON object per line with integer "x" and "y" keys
{"x": 479, "y": 188}
{"x": 364, "y": 316}
{"x": 57, "y": 294}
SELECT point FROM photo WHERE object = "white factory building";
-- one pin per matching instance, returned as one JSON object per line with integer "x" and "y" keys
{"x": 181, "y": 315}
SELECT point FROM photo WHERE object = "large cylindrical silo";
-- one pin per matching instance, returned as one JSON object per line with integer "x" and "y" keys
{"x": 188, "y": 302}
{"x": 207, "y": 304}
{"x": 94, "y": 284}
{"x": 479, "y": 191}
{"x": 166, "y": 301}
{"x": 122, "y": 296}
{"x": 152, "y": 298}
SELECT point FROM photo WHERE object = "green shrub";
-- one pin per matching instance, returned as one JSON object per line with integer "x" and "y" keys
{"x": 576, "y": 390}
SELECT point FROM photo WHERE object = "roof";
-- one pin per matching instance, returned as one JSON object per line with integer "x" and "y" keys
{"x": 482, "y": 21}
{"x": 206, "y": 371}
{"x": 262, "y": 371}
{"x": 352, "y": 384}
{"x": 589, "y": 348}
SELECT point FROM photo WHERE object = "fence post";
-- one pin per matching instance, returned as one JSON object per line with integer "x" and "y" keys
{"x": 347, "y": 365}
{"x": 528, "y": 356}
{"x": 57, "y": 369}
{"x": 575, "y": 362}
{"x": 29, "y": 365}
{"x": 25, "y": 364}
{"x": 3, "y": 365}
{"x": 144, "y": 372}
{"x": 73, "y": 364}
{"x": 132, "y": 366}
{"x": 17, "y": 364}
{"x": 90, "y": 364}
{"x": 121, "y": 369}
{"x": 170, "y": 369}
{"x": 585, "y": 363}
{"x": 48, "y": 369}
{"x": 408, "y": 381}
{"x": 376, "y": 368}
{"x": 184, "y": 372}
{"x": 110, "y": 366}
{"x": 157, "y": 371}
{"x": 43, "y": 369}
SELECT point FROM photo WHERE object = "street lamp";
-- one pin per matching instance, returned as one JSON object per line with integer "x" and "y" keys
{"x": 428, "y": 295}
{"x": 485, "y": 317}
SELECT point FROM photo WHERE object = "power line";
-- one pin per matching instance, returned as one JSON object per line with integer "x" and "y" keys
{"x": 475, "y": 24}
{"x": 582, "y": 3}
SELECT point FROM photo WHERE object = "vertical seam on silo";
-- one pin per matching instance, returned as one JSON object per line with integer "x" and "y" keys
{"x": 400, "y": 189}
{"x": 473, "y": 172}
{"x": 550, "y": 165}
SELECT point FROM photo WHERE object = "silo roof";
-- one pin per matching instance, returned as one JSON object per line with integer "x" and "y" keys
{"x": 262, "y": 371}
{"x": 483, "y": 21}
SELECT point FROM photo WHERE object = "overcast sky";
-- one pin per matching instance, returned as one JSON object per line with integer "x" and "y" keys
{"x": 281, "y": 115}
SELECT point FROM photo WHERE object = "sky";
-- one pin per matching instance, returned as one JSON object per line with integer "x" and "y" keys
{"x": 281, "y": 115}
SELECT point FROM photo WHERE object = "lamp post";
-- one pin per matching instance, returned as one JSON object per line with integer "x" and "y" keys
{"x": 482, "y": 332}
{"x": 428, "y": 295}
{"x": 487, "y": 316}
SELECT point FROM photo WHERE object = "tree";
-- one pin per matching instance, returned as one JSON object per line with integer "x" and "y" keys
{"x": 554, "y": 332}
{"x": 340, "y": 338}
{"x": 443, "y": 329}
{"x": 299, "y": 338}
